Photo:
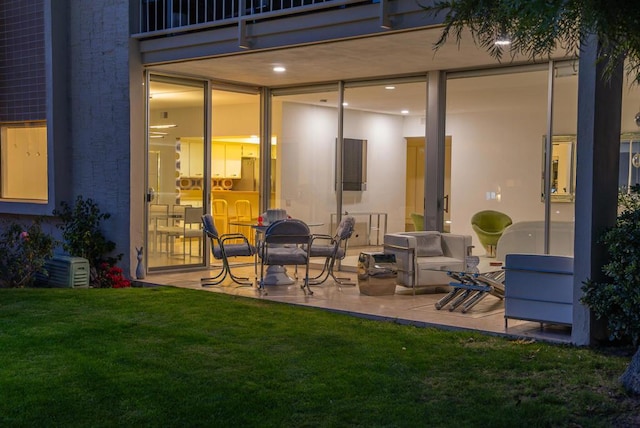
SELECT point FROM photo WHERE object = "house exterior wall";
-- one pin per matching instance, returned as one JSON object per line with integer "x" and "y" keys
{"x": 99, "y": 127}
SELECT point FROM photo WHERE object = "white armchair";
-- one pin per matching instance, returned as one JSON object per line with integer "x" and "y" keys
{"x": 423, "y": 257}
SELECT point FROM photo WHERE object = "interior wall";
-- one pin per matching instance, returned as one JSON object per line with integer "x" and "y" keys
{"x": 307, "y": 152}
{"x": 386, "y": 166}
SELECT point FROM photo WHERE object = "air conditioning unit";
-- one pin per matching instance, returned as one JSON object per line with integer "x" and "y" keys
{"x": 66, "y": 271}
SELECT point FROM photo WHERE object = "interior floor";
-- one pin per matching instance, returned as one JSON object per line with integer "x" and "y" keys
{"x": 404, "y": 306}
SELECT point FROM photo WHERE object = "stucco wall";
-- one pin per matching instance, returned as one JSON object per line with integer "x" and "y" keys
{"x": 100, "y": 123}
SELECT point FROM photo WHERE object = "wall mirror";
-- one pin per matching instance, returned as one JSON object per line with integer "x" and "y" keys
{"x": 629, "y": 161}
{"x": 563, "y": 167}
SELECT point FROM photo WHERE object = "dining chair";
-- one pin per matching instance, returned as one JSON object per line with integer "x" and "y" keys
{"x": 192, "y": 228}
{"x": 286, "y": 242}
{"x": 158, "y": 217}
{"x": 186, "y": 226}
{"x": 223, "y": 247}
{"x": 220, "y": 210}
{"x": 333, "y": 249}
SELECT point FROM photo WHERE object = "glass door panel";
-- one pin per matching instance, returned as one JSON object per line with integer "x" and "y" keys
{"x": 563, "y": 159}
{"x": 384, "y": 139}
{"x": 496, "y": 124}
{"x": 235, "y": 160}
{"x": 175, "y": 173}
{"x": 304, "y": 130}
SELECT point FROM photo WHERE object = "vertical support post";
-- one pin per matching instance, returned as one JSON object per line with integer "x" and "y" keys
{"x": 340, "y": 152}
{"x": 434, "y": 151}
{"x": 265, "y": 150}
{"x": 598, "y": 151}
{"x": 548, "y": 152}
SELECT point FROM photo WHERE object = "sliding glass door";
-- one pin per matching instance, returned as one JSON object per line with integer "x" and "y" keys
{"x": 176, "y": 172}
{"x": 383, "y": 156}
{"x": 304, "y": 131}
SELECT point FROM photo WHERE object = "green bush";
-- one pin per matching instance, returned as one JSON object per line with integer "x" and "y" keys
{"x": 83, "y": 236}
{"x": 23, "y": 251}
{"x": 618, "y": 299}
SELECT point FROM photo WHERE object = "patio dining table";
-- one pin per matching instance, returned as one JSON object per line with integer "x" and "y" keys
{"x": 275, "y": 274}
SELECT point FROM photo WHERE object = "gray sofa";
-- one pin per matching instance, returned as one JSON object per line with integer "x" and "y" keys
{"x": 423, "y": 257}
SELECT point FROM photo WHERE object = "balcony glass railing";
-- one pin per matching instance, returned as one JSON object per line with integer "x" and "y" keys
{"x": 157, "y": 16}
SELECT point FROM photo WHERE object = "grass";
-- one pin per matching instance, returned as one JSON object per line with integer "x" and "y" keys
{"x": 176, "y": 357}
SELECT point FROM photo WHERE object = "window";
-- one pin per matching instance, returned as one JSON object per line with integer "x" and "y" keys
{"x": 23, "y": 161}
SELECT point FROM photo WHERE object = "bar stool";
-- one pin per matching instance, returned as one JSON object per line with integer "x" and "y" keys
{"x": 221, "y": 214}
{"x": 244, "y": 214}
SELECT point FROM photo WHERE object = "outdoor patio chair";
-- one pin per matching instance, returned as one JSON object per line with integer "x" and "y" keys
{"x": 286, "y": 242}
{"x": 333, "y": 249}
{"x": 223, "y": 247}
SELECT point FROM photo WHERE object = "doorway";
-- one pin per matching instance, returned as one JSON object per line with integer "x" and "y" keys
{"x": 415, "y": 183}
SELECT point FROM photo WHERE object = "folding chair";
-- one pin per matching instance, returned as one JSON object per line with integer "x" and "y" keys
{"x": 223, "y": 247}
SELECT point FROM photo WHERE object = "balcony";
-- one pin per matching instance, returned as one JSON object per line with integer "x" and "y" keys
{"x": 171, "y": 31}
{"x": 163, "y": 17}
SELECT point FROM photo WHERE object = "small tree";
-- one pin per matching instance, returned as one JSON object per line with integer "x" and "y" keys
{"x": 23, "y": 251}
{"x": 83, "y": 236}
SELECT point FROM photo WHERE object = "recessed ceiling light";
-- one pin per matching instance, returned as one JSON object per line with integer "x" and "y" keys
{"x": 405, "y": 112}
{"x": 171, "y": 125}
{"x": 279, "y": 69}
{"x": 389, "y": 87}
{"x": 345, "y": 104}
{"x": 502, "y": 41}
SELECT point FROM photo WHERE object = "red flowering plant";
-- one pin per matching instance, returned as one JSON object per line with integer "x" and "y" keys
{"x": 110, "y": 276}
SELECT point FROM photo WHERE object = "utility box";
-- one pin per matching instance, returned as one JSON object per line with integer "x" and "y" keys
{"x": 377, "y": 273}
{"x": 66, "y": 272}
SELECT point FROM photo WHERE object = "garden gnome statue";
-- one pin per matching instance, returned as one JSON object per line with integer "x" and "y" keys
{"x": 140, "y": 273}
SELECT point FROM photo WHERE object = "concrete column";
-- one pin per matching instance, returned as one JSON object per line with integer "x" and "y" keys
{"x": 598, "y": 151}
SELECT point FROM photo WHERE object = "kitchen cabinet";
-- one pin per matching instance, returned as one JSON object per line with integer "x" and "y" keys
{"x": 226, "y": 160}
{"x": 250, "y": 150}
{"x": 196, "y": 164}
{"x": 191, "y": 155}
{"x": 233, "y": 163}
{"x": 218, "y": 160}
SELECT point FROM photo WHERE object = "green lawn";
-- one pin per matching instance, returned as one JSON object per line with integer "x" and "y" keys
{"x": 177, "y": 357}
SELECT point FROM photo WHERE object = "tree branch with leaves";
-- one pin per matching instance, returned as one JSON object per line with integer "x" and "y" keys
{"x": 539, "y": 28}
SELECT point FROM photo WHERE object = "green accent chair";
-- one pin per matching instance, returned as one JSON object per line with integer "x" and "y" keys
{"x": 489, "y": 226}
{"x": 418, "y": 221}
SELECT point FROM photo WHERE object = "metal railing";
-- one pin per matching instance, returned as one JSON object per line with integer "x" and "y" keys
{"x": 158, "y": 17}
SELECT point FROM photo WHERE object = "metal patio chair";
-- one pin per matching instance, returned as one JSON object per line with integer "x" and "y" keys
{"x": 223, "y": 247}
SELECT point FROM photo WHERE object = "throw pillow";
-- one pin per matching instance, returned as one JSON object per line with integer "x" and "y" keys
{"x": 429, "y": 244}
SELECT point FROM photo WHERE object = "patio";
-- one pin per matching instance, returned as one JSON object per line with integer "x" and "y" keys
{"x": 402, "y": 307}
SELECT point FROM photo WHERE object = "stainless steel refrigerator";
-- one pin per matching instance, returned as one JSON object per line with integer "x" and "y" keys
{"x": 249, "y": 175}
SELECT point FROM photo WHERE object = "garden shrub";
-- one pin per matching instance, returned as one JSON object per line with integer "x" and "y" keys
{"x": 83, "y": 237}
{"x": 618, "y": 299}
{"x": 23, "y": 251}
